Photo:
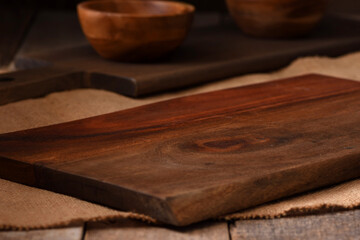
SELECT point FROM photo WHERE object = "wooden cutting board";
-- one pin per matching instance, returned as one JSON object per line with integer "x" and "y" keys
{"x": 210, "y": 53}
{"x": 197, "y": 157}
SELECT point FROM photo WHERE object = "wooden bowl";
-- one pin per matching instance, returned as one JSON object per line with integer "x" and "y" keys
{"x": 276, "y": 18}
{"x": 134, "y": 30}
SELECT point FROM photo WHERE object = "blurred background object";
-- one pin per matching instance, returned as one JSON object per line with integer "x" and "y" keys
{"x": 15, "y": 20}
{"x": 136, "y": 30}
{"x": 17, "y": 16}
{"x": 277, "y": 18}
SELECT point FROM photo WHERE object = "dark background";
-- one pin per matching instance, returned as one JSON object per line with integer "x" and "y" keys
{"x": 210, "y": 5}
{"x": 352, "y": 6}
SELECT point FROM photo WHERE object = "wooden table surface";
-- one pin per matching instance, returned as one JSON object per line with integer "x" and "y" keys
{"x": 341, "y": 225}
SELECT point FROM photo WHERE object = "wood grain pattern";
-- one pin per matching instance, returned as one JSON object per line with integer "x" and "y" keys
{"x": 343, "y": 225}
{"x": 132, "y": 230}
{"x": 193, "y": 158}
{"x": 210, "y": 53}
{"x": 69, "y": 233}
{"x": 135, "y": 30}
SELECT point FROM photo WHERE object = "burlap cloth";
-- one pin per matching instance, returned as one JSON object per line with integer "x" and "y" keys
{"x": 23, "y": 207}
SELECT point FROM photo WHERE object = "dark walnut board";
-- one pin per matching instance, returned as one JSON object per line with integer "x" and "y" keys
{"x": 193, "y": 158}
{"x": 210, "y": 53}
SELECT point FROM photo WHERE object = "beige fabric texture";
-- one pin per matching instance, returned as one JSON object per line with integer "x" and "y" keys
{"x": 23, "y": 207}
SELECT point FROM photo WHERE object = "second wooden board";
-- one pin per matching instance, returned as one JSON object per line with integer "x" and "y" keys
{"x": 193, "y": 158}
{"x": 211, "y": 52}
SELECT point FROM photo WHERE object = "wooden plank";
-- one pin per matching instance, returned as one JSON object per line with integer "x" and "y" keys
{"x": 210, "y": 53}
{"x": 132, "y": 230}
{"x": 193, "y": 158}
{"x": 70, "y": 233}
{"x": 342, "y": 225}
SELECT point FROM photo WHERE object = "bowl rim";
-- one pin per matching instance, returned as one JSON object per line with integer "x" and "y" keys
{"x": 85, "y": 6}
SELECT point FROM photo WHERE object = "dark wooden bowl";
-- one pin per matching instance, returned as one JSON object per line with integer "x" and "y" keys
{"x": 135, "y": 30}
{"x": 276, "y": 18}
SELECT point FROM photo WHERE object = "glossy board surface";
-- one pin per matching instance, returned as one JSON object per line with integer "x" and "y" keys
{"x": 197, "y": 157}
